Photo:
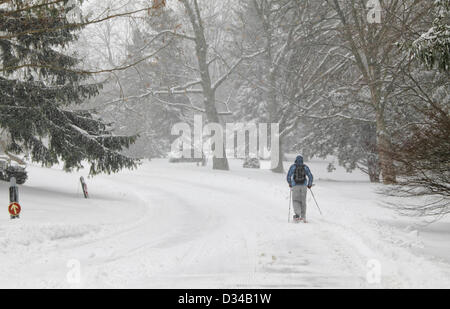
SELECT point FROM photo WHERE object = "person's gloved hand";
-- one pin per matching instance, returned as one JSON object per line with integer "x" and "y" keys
{"x": 290, "y": 186}
{"x": 309, "y": 187}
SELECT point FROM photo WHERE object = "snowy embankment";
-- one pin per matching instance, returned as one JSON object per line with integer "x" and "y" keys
{"x": 182, "y": 226}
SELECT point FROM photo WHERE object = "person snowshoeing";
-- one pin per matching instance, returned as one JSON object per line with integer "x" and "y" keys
{"x": 299, "y": 179}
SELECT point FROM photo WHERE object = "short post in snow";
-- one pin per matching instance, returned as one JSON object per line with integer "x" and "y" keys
{"x": 84, "y": 187}
{"x": 14, "y": 206}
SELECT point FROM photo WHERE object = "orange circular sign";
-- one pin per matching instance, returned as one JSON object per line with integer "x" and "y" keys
{"x": 14, "y": 209}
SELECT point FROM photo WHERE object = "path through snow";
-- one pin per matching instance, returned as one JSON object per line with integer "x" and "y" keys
{"x": 182, "y": 226}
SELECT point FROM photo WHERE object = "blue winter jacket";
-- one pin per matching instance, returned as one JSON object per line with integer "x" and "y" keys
{"x": 290, "y": 175}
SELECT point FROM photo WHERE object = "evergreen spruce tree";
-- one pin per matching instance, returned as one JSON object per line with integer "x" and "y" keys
{"x": 433, "y": 46}
{"x": 40, "y": 89}
{"x": 421, "y": 155}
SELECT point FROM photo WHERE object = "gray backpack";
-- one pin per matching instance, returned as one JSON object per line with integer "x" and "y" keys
{"x": 300, "y": 174}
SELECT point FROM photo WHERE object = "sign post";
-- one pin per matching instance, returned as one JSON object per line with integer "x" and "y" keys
{"x": 14, "y": 210}
{"x": 84, "y": 187}
{"x": 14, "y": 206}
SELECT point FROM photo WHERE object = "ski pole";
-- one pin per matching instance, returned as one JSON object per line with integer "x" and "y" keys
{"x": 290, "y": 199}
{"x": 312, "y": 193}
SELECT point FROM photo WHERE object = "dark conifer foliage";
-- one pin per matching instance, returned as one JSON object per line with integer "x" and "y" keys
{"x": 41, "y": 90}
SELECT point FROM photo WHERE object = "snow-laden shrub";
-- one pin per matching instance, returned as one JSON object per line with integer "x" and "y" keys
{"x": 251, "y": 163}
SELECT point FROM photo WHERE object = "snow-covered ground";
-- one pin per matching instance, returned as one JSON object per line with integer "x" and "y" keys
{"x": 182, "y": 226}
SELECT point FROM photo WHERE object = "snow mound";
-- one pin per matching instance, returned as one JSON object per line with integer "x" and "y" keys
{"x": 36, "y": 235}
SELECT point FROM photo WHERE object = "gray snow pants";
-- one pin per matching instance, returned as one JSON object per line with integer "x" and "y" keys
{"x": 299, "y": 200}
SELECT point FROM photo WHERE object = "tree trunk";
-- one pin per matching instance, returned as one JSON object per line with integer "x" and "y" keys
{"x": 279, "y": 168}
{"x": 221, "y": 162}
{"x": 373, "y": 168}
{"x": 201, "y": 47}
{"x": 384, "y": 147}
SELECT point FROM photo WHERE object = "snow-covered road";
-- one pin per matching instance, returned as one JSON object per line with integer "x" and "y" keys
{"x": 182, "y": 226}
